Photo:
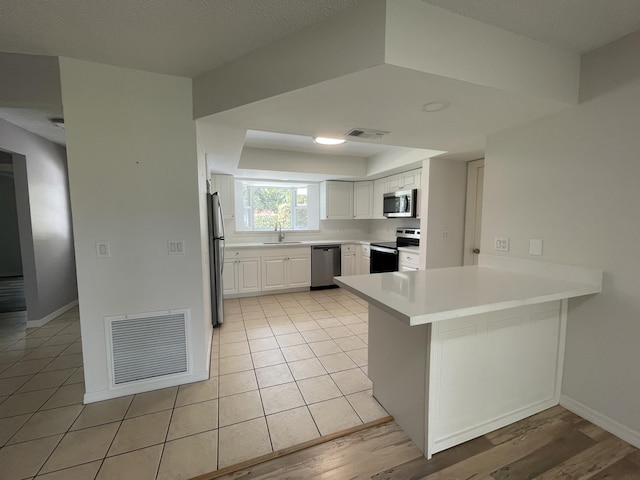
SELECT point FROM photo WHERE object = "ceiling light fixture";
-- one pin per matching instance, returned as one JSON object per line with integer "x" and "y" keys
{"x": 435, "y": 106}
{"x": 328, "y": 141}
{"x": 58, "y": 122}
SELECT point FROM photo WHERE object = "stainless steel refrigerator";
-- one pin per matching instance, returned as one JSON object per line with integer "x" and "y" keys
{"x": 216, "y": 255}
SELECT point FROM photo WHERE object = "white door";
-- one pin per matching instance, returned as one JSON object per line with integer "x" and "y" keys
{"x": 473, "y": 218}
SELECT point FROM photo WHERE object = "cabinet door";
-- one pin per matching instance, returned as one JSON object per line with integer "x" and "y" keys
{"x": 336, "y": 200}
{"x": 394, "y": 183}
{"x": 365, "y": 265}
{"x": 411, "y": 179}
{"x": 362, "y": 199}
{"x": 223, "y": 184}
{"x": 299, "y": 270}
{"x": 379, "y": 189}
{"x": 229, "y": 277}
{"x": 348, "y": 264}
{"x": 249, "y": 275}
{"x": 273, "y": 273}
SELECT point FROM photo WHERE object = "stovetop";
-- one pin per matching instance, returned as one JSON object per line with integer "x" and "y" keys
{"x": 384, "y": 244}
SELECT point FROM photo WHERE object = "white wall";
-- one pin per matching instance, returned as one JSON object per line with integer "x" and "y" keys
{"x": 136, "y": 183}
{"x": 445, "y": 206}
{"x": 347, "y": 42}
{"x": 431, "y": 39}
{"x": 571, "y": 179}
{"x": 44, "y": 221}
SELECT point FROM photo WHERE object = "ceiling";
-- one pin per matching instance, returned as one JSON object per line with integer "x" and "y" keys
{"x": 304, "y": 143}
{"x": 188, "y": 38}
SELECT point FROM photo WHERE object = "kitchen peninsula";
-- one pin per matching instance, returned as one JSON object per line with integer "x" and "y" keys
{"x": 455, "y": 353}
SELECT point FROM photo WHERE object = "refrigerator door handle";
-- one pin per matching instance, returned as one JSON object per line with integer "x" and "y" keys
{"x": 222, "y": 263}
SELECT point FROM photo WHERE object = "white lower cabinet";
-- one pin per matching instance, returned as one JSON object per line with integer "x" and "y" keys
{"x": 408, "y": 261}
{"x": 241, "y": 272}
{"x": 365, "y": 259}
{"x": 288, "y": 269}
{"x": 349, "y": 264}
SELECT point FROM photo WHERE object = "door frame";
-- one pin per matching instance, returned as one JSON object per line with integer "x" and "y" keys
{"x": 471, "y": 223}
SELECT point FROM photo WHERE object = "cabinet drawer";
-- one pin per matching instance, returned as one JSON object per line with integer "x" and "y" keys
{"x": 412, "y": 259}
{"x": 366, "y": 250}
{"x": 348, "y": 248}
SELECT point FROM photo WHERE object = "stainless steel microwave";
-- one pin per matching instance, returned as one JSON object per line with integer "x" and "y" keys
{"x": 400, "y": 204}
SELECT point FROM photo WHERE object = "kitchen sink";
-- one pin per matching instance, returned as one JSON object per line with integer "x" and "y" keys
{"x": 278, "y": 243}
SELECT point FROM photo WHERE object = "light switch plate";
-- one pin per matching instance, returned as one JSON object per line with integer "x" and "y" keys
{"x": 501, "y": 244}
{"x": 103, "y": 250}
{"x": 535, "y": 246}
{"x": 175, "y": 247}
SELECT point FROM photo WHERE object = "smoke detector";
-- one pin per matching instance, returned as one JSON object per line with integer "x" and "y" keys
{"x": 366, "y": 133}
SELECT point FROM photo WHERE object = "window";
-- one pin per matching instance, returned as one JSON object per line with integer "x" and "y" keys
{"x": 260, "y": 205}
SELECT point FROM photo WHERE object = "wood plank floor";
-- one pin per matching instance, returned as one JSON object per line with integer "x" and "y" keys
{"x": 554, "y": 444}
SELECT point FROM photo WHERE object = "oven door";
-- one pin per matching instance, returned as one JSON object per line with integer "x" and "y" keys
{"x": 383, "y": 259}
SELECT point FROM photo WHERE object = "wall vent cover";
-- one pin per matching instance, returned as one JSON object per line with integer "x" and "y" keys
{"x": 366, "y": 133}
{"x": 147, "y": 346}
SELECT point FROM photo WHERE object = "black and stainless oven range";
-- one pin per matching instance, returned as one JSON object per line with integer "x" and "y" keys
{"x": 384, "y": 255}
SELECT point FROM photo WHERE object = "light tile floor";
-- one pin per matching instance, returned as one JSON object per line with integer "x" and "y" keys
{"x": 285, "y": 369}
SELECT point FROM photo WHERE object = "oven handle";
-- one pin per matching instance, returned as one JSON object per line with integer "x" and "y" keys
{"x": 384, "y": 250}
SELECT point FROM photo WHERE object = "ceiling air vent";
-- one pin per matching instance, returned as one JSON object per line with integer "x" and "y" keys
{"x": 366, "y": 133}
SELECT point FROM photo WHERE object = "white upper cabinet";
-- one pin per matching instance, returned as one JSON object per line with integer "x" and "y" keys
{"x": 404, "y": 181}
{"x": 394, "y": 183}
{"x": 336, "y": 200}
{"x": 379, "y": 189}
{"x": 223, "y": 184}
{"x": 411, "y": 179}
{"x": 362, "y": 200}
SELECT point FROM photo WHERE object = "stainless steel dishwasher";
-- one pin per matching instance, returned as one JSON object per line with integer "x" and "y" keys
{"x": 325, "y": 264}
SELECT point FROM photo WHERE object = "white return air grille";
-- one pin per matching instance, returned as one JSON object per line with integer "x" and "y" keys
{"x": 147, "y": 345}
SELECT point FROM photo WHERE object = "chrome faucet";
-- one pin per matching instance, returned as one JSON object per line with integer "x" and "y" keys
{"x": 280, "y": 234}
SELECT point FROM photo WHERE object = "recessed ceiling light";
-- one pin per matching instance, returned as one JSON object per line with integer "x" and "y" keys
{"x": 58, "y": 122}
{"x": 328, "y": 141}
{"x": 435, "y": 106}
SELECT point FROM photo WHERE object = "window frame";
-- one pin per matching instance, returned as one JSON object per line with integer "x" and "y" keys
{"x": 243, "y": 211}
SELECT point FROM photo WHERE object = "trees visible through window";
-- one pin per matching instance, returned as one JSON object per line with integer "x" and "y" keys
{"x": 266, "y": 205}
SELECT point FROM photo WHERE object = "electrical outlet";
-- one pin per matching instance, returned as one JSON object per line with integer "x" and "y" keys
{"x": 445, "y": 235}
{"x": 176, "y": 247}
{"x": 501, "y": 244}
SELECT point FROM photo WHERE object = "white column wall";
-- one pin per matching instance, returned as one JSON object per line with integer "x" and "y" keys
{"x": 571, "y": 179}
{"x": 135, "y": 183}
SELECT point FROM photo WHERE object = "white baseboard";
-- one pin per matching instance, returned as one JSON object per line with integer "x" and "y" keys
{"x": 141, "y": 387}
{"x": 44, "y": 320}
{"x": 597, "y": 418}
{"x": 491, "y": 425}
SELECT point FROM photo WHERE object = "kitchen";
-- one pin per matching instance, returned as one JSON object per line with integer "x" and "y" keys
{"x": 268, "y": 272}
{"x": 106, "y": 283}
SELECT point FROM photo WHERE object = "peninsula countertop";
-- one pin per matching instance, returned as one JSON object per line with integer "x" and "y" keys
{"x": 427, "y": 296}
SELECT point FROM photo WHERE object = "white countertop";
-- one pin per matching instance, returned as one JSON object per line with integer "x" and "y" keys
{"x": 409, "y": 249}
{"x": 427, "y": 296}
{"x": 305, "y": 243}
